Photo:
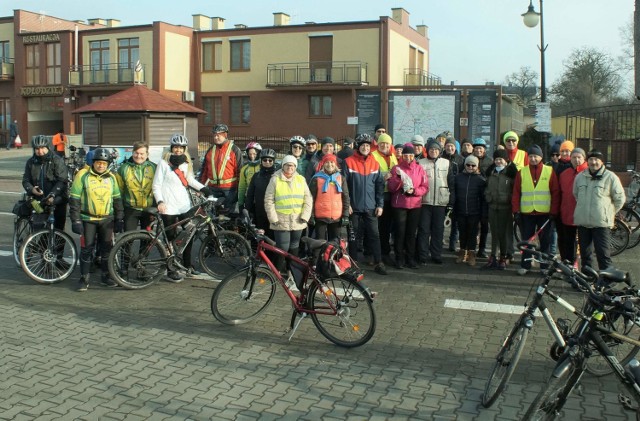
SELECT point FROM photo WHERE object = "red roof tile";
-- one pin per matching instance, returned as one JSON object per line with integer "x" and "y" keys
{"x": 141, "y": 99}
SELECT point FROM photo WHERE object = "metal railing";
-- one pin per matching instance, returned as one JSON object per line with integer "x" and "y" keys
{"x": 420, "y": 77}
{"x": 317, "y": 72}
{"x": 105, "y": 75}
{"x": 6, "y": 68}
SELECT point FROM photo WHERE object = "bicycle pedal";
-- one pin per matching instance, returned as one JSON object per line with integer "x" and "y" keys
{"x": 627, "y": 403}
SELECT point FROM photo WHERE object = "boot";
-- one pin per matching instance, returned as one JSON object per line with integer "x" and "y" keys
{"x": 471, "y": 258}
{"x": 462, "y": 256}
{"x": 502, "y": 264}
{"x": 83, "y": 283}
{"x": 492, "y": 263}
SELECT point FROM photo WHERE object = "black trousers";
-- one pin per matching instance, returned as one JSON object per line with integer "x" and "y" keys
{"x": 96, "y": 231}
{"x": 468, "y": 226}
{"x": 430, "y": 232}
{"x": 134, "y": 218}
{"x": 597, "y": 239}
{"x": 566, "y": 240}
{"x": 404, "y": 240}
{"x": 369, "y": 221}
{"x": 173, "y": 232}
{"x": 384, "y": 227}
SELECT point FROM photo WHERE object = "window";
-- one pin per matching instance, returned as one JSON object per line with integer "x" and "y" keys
{"x": 32, "y": 68}
{"x": 213, "y": 106}
{"x": 4, "y": 52}
{"x": 240, "y": 55}
{"x": 320, "y": 106}
{"x": 212, "y": 57}
{"x": 54, "y": 72}
{"x": 128, "y": 52}
{"x": 240, "y": 109}
{"x": 99, "y": 54}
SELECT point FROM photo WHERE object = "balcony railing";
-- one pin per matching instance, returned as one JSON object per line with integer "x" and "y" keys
{"x": 419, "y": 77}
{"x": 317, "y": 72}
{"x": 106, "y": 75}
{"x": 6, "y": 68}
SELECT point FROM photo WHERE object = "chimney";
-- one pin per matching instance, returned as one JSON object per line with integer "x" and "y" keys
{"x": 239, "y": 26}
{"x": 423, "y": 30}
{"x": 217, "y": 23}
{"x": 97, "y": 21}
{"x": 400, "y": 15}
{"x": 281, "y": 19}
{"x": 201, "y": 22}
{"x": 113, "y": 23}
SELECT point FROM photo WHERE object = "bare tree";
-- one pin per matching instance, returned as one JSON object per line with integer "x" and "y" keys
{"x": 626, "y": 37}
{"x": 523, "y": 83}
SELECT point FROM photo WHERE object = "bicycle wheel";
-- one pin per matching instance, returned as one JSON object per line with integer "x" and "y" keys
{"x": 21, "y": 230}
{"x": 516, "y": 232}
{"x": 241, "y": 297}
{"x": 632, "y": 219}
{"x": 506, "y": 363}
{"x": 619, "y": 237}
{"x": 597, "y": 364}
{"x": 137, "y": 260}
{"x": 224, "y": 253}
{"x": 342, "y": 311}
{"x": 551, "y": 399}
{"x": 48, "y": 260}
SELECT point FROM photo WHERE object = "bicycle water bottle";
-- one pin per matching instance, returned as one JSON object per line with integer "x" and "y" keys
{"x": 35, "y": 204}
{"x": 184, "y": 234}
{"x": 634, "y": 369}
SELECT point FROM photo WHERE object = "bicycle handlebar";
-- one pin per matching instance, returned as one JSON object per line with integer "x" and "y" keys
{"x": 246, "y": 220}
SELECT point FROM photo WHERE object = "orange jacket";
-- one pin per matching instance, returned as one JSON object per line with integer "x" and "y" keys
{"x": 222, "y": 165}
{"x": 59, "y": 141}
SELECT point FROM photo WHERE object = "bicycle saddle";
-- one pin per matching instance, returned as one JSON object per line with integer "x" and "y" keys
{"x": 313, "y": 243}
{"x": 615, "y": 275}
{"x": 152, "y": 210}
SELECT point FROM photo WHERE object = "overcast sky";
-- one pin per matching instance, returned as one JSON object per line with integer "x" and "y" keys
{"x": 472, "y": 41}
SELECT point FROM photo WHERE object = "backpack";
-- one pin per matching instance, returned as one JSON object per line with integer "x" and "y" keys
{"x": 334, "y": 261}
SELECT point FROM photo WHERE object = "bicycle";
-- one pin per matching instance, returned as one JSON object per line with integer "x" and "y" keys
{"x": 509, "y": 355}
{"x": 48, "y": 255}
{"x": 21, "y": 224}
{"x": 629, "y": 214}
{"x": 340, "y": 306}
{"x": 590, "y": 338}
{"x": 620, "y": 235}
{"x": 140, "y": 258}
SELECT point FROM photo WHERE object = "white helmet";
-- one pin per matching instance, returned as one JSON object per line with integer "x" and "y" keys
{"x": 297, "y": 139}
{"x": 179, "y": 140}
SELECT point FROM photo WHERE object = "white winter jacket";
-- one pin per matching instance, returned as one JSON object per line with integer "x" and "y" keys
{"x": 168, "y": 188}
{"x": 598, "y": 198}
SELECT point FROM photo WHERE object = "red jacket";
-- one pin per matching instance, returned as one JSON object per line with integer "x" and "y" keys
{"x": 554, "y": 188}
{"x": 567, "y": 199}
{"x": 420, "y": 186}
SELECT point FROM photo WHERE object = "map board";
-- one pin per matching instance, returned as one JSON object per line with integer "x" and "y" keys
{"x": 423, "y": 113}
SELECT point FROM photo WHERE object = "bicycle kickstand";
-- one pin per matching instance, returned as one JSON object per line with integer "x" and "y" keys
{"x": 295, "y": 323}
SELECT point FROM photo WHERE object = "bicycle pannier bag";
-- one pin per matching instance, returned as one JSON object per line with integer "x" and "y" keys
{"x": 22, "y": 208}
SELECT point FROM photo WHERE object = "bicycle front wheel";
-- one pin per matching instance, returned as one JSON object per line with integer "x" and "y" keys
{"x": 242, "y": 296}
{"x": 137, "y": 260}
{"x": 632, "y": 219}
{"x": 619, "y": 237}
{"x": 21, "y": 230}
{"x": 342, "y": 310}
{"x": 506, "y": 363}
{"x": 48, "y": 257}
{"x": 224, "y": 253}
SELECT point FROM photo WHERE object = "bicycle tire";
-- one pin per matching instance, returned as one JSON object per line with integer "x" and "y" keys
{"x": 354, "y": 322}
{"x": 552, "y": 397}
{"x": 45, "y": 264}
{"x": 137, "y": 260}
{"x": 624, "y": 352}
{"x": 516, "y": 232}
{"x": 21, "y": 230}
{"x": 631, "y": 217}
{"x": 619, "y": 237}
{"x": 231, "y": 303}
{"x": 506, "y": 362}
{"x": 235, "y": 254}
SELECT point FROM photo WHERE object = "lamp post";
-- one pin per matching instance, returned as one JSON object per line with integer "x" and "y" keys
{"x": 530, "y": 19}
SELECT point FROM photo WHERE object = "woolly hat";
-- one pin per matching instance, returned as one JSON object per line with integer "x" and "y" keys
{"x": 327, "y": 140}
{"x": 535, "y": 150}
{"x": 580, "y": 151}
{"x": 501, "y": 153}
{"x": 408, "y": 149}
{"x": 348, "y": 141}
{"x": 450, "y": 140}
{"x": 567, "y": 145}
{"x": 434, "y": 144}
{"x": 510, "y": 134}
{"x": 594, "y": 153}
{"x": 417, "y": 140}
{"x": 290, "y": 159}
{"x": 465, "y": 140}
{"x": 328, "y": 158}
{"x": 378, "y": 127}
{"x": 398, "y": 145}
{"x": 385, "y": 138}
{"x": 555, "y": 148}
{"x": 479, "y": 142}
{"x": 311, "y": 138}
{"x": 471, "y": 159}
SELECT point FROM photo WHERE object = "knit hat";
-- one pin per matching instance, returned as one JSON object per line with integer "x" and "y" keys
{"x": 580, "y": 151}
{"x": 417, "y": 140}
{"x": 311, "y": 138}
{"x": 434, "y": 145}
{"x": 471, "y": 159}
{"x": 479, "y": 142}
{"x": 555, "y": 148}
{"x": 567, "y": 145}
{"x": 594, "y": 153}
{"x": 290, "y": 159}
{"x": 510, "y": 134}
{"x": 465, "y": 140}
{"x": 378, "y": 127}
{"x": 385, "y": 138}
{"x": 328, "y": 158}
{"x": 398, "y": 145}
{"x": 450, "y": 140}
{"x": 408, "y": 149}
{"x": 326, "y": 140}
{"x": 501, "y": 153}
{"x": 535, "y": 150}
{"x": 348, "y": 141}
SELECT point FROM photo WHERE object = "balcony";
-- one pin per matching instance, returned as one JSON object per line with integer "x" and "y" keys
{"x": 326, "y": 73}
{"x": 419, "y": 77}
{"x": 6, "y": 69}
{"x": 112, "y": 74}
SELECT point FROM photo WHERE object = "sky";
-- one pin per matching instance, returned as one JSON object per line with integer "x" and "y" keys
{"x": 471, "y": 41}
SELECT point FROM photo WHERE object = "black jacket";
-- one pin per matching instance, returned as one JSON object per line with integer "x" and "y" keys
{"x": 254, "y": 201}
{"x": 469, "y": 194}
{"x": 48, "y": 172}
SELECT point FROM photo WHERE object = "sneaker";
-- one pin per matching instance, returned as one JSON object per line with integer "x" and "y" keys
{"x": 174, "y": 277}
{"x": 83, "y": 285}
{"x": 522, "y": 271}
{"x": 380, "y": 269}
{"x": 191, "y": 271}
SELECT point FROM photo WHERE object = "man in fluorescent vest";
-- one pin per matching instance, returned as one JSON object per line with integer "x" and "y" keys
{"x": 517, "y": 156}
{"x": 535, "y": 200}
{"x": 221, "y": 167}
{"x": 386, "y": 159}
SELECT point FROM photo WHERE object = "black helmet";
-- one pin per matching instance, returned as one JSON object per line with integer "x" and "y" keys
{"x": 40, "y": 141}
{"x": 101, "y": 154}
{"x": 268, "y": 153}
{"x": 363, "y": 138}
{"x": 220, "y": 128}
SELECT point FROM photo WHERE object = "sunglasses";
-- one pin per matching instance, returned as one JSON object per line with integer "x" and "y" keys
{"x": 296, "y": 147}
{"x": 511, "y": 141}
{"x": 470, "y": 165}
{"x": 267, "y": 160}
{"x": 555, "y": 154}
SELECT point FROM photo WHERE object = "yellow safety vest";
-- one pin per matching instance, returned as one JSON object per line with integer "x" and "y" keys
{"x": 518, "y": 160}
{"x": 536, "y": 198}
{"x": 289, "y": 196}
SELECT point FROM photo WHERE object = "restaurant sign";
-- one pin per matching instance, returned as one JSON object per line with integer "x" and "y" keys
{"x": 33, "y": 39}
{"x": 55, "y": 90}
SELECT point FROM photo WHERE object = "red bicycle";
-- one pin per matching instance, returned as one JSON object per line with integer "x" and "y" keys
{"x": 340, "y": 305}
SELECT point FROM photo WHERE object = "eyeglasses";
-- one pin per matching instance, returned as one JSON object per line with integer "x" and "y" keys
{"x": 267, "y": 160}
{"x": 510, "y": 140}
{"x": 296, "y": 147}
{"x": 555, "y": 154}
{"x": 470, "y": 165}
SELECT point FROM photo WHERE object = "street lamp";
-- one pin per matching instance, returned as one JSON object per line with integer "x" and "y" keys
{"x": 530, "y": 19}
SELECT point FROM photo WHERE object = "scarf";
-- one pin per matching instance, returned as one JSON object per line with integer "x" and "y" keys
{"x": 177, "y": 160}
{"x": 328, "y": 179}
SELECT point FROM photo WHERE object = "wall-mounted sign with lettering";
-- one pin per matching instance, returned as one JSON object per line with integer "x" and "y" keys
{"x": 33, "y": 39}
{"x": 42, "y": 90}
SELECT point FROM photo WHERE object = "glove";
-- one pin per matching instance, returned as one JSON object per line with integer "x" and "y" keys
{"x": 118, "y": 226}
{"x": 344, "y": 221}
{"x": 206, "y": 191}
{"x": 77, "y": 227}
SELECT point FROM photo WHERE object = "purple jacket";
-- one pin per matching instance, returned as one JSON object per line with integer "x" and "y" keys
{"x": 420, "y": 186}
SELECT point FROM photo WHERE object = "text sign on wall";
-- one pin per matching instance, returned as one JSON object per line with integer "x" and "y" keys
{"x": 368, "y": 110}
{"x": 42, "y": 90}
{"x": 482, "y": 116}
{"x": 33, "y": 39}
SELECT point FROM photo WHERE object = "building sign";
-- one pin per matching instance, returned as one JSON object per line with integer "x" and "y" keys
{"x": 56, "y": 90}
{"x": 482, "y": 106}
{"x": 33, "y": 39}
{"x": 368, "y": 110}
{"x": 543, "y": 117}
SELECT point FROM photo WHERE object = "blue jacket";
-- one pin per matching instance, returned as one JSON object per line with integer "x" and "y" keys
{"x": 365, "y": 182}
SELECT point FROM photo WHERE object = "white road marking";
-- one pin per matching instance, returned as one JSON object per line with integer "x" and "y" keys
{"x": 488, "y": 307}
{"x": 6, "y": 253}
{"x": 7, "y": 213}
{"x": 11, "y": 192}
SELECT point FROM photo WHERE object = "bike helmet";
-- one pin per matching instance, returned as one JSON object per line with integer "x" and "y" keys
{"x": 253, "y": 145}
{"x": 220, "y": 128}
{"x": 101, "y": 154}
{"x": 268, "y": 153}
{"x": 297, "y": 139}
{"x": 179, "y": 140}
{"x": 40, "y": 141}
{"x": 363, "y": 138}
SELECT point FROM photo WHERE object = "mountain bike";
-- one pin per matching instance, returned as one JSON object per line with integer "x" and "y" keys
{"x": 48, "y": 255}
{"x": 340, "y": 306}
{"x": 590, "y": 338}
{"x": 140, "y": 258}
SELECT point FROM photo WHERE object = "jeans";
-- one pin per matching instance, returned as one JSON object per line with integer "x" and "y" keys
{"x": 369, "y": 221}
{"x": 597, "y": 239}
{"x": 531, "y": 224}
{"x": 484, "y": 233}
{"x": 287, "y": 240}
{"x": 430, "y": 232}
